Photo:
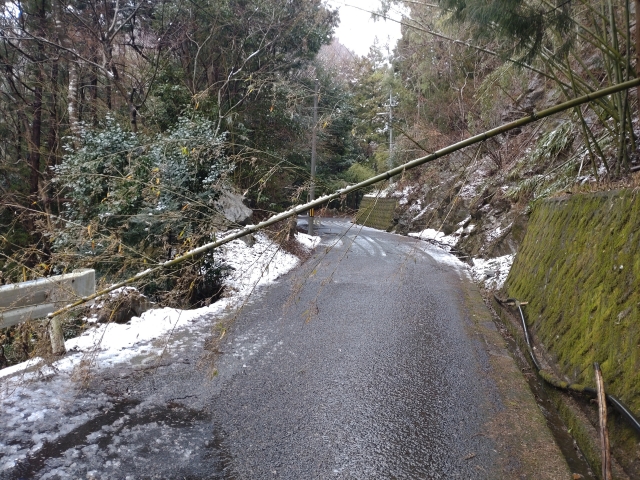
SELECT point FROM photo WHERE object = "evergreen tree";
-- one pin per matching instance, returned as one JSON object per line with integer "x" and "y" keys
{"x": 523, "y": 26}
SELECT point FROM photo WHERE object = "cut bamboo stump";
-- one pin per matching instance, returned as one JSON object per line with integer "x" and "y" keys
{"x": 604, "y": 434}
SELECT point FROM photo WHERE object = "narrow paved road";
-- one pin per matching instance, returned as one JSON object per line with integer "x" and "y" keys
{"x": 375, "y": 368}
{"x": 375, "y": 359}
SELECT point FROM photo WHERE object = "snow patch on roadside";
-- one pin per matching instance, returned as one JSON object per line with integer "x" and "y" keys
{"x": 488, "y": 273}
{"x": 258, "y": 265}
{"x": 439, "y": 237}
{"x": 492, "y": 273}
{"x": 444, "y": 257}
{"x": 308, "y": 241}
{"x": 111, "y": 343}
{"x": 33, "y": 412}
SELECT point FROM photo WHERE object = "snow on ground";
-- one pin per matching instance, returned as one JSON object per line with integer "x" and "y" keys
{"x": 490, "y": 274}
{"x": 403, "y": 195}
{"x": 382, "y": 193}
{"x": 443, "y": 256}
{"x": 440, "y": 247}
{"x": 308, "y": 241}
{"x": 493, "y": 234}
{"x": 38, "y": 404}
{"x": 438, "y": 237}
{"x": 111, "y": 343}
{"x": 493, "y": 272}
{"x": 422, "y": 211}
{"x": 391, "y": 191}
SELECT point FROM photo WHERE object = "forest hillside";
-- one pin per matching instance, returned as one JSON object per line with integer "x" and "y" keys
{"x": 465, "y": 67}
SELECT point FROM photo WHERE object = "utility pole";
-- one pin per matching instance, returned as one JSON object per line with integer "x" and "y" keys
{"x": 312, "y": 187}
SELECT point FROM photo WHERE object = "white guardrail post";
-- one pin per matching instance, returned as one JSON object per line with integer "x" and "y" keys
{"x": 36, "y": 299}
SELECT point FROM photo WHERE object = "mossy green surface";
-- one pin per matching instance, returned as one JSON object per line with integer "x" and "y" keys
{"x": 579, "y": 269}
{"x": 376, "y": 212}
{"x": 576, "y": 426}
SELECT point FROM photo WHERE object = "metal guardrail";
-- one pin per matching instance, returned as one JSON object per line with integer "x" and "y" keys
{"x": 35, "y": 299}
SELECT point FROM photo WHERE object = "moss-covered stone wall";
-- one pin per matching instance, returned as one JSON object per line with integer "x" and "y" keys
{"x": 579, "y": 269}
{"x": 376, "y": 212}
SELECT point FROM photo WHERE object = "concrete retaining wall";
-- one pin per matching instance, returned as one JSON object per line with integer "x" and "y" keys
{"x": 376, "y": 212}
{"x": 579, "y": 269}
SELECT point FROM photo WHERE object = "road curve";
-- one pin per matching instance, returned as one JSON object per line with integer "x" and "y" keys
{"x": 374, "y": 360}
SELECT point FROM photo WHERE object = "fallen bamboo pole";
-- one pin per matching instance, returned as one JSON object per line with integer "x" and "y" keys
{"x": 533, "y": 117}
{"x": 604, "y": 433}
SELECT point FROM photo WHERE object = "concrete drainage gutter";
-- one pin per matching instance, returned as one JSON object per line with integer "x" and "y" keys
{"x": 550, "y": 378}
{"x": 577, "y": 423}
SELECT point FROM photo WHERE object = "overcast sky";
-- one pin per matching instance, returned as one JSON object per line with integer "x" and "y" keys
{"x": 357, "y": 30}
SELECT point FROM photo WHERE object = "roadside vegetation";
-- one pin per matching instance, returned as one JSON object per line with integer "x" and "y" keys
{"x": 128, "y": 130}
{"x": 466, "y": 67}
{"x": 131, "y": 133}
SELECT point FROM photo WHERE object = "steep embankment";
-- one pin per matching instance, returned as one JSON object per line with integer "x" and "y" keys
{"x": 579, "y": 269}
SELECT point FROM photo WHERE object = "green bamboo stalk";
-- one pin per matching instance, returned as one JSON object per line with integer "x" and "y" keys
{"x": 628, "y": 71}
{"x": 632, "y": 133}
{"x": 625, "y": 131}
{"x": 593, "y": 11}
{"x": 590, "y": 36}
{"x": 581, "y": 86}
{"x": 587, "y": 70}
{"x": 587, "y": 141}
{"x": 619, "y": 97}
{"x": 605, "y": 33}
{"x": 592, "y": 142}
{"x": 627, "y": 40}
{"x": 533, "y": 117}
{"x": 602, "y": 103}
{"x": 607, "y": 111}
{"x": 603, "y": 47}
{"x": 589, "y": 137}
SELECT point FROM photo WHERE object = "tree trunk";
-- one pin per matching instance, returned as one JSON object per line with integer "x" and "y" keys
{"x": 108, "y": 93}
{"x": 637, "y": 5}
{"x": 36, "y": 133}
{"x": 36, "y": 123}
{"x": 94, "y": 96}
{"x": 72, "y": 98}
{"x": 133, "y": 112}
{"x": 52, "y": 138}
{"x": 52, "y": 142}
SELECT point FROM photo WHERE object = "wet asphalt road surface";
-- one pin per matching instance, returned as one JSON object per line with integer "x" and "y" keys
{"x": 367, "y": 372}
{"x": 361, "y": 364}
